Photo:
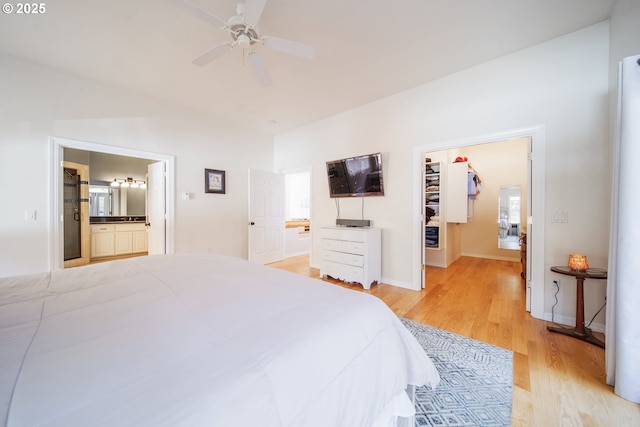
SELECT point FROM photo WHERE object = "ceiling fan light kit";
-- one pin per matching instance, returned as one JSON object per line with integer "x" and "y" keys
{"x": 243, "y": 29}
{"x": 244, "y": 40}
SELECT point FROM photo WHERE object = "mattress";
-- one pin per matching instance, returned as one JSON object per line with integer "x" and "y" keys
{"x": 200, "y": 340}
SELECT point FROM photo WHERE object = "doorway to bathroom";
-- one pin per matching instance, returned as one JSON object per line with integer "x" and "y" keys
{"x": 165, "y": 183}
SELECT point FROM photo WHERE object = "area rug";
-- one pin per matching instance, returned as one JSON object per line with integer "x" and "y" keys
{"x": 476, "y": 380}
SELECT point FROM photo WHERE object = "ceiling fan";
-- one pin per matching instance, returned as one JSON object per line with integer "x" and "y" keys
{"x": 243, "y": 29}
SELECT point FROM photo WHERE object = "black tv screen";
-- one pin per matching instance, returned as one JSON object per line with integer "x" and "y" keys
{"x": 356, "y": 176}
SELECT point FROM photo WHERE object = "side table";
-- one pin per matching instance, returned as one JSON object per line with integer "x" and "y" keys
{"x": 580, "y": 331}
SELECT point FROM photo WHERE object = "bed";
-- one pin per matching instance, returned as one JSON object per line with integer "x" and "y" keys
{"x": 200, "y": 340}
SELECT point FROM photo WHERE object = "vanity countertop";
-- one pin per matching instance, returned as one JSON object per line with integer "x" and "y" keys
{"x": 117, "y": 219}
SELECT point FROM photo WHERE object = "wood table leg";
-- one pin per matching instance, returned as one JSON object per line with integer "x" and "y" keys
{"x": 580, "y": 331}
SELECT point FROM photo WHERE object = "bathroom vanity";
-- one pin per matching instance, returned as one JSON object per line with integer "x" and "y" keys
{"x": 116, "y": 236}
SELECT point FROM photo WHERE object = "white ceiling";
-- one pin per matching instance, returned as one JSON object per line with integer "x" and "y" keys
{"x": 365, "y": 49}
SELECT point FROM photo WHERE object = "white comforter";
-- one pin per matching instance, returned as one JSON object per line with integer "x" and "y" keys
{"x": 199, "y": 340}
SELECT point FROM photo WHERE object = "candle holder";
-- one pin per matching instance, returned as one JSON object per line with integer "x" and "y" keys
{"x": 578, "y": 262}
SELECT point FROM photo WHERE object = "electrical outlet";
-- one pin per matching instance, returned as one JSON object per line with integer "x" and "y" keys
{"x": 564, "y": 216}
{"x": 560, "y": 216}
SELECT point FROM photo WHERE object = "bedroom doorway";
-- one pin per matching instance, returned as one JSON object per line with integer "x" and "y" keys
{"x": 483, "y": 225}
{"x": 534, "y": 286}
{"x": 297, "y": 186}
{"x": 56, "y": 236}
{"x": 279, "y": 214}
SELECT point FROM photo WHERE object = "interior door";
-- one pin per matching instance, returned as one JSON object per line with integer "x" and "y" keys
{"x": 75, "y": 218}
{"x": 530, "y": 225}
{"x": 266, "y": 217}
{"x": 156, "y": 208}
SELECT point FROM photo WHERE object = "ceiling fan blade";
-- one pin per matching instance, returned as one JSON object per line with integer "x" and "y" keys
{"x": 253, "y": 11}
{"x": 290, "y": 47}
{"x": 212, "y": 54}
{"x": 203, "y": 14}
{"x": 258, "y": 66}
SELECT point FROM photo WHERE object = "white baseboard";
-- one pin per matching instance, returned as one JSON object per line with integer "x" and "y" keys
{"x": 570, "y": 322}
{"x": 399, "y": 284}
{"x": 437, "y": 264}
{"x": 497, "y": 258}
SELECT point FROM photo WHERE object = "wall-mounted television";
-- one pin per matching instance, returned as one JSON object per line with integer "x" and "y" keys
{"x": 356, "y": 176}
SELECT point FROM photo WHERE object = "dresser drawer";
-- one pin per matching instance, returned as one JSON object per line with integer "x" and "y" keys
{"x": 353, "y": 235}
{"x": 343, "y": 258}
{"x": 102, "y": 228}
{"x": 343, "y": 272}
{"x": 344, "y": 246}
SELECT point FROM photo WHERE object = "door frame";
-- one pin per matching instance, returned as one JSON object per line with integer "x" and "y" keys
{"x": 57, "y": 144}
{"x": 535, "y": 230}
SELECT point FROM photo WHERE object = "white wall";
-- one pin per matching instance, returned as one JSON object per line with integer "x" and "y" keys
{"x": 561, "y": 84}
{"x": 625, "y": 33}
{"x": 39, "y": 102}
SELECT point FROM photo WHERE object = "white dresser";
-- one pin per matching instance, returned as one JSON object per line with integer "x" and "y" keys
{"x": 351, "y": 254}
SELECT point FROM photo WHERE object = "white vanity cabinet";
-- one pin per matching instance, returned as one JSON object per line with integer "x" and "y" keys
{"x": 102, "y": 240}
{"x": 130, "y": 238}
{"x": 352, "y": 254}
{"x": 118, "y": 239}
{"x": 139, "y": 237}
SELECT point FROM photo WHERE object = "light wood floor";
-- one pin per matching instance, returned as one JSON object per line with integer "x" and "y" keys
{"x": 558, "y": 380}
{"x": 116, "y": 257}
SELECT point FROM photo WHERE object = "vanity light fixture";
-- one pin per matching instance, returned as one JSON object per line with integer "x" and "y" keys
{"x": 129, "y": 182}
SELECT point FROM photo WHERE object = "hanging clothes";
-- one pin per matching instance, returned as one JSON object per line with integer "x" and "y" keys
{"x": 473, "y": 183}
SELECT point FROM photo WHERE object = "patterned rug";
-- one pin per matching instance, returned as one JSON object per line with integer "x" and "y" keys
{"x": 476, "y": 380}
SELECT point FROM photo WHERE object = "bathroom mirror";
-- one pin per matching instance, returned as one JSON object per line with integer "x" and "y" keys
{"x": 114, "y": 201}
{"x": 509, "y": 218}
{"x": 101, "y": 199}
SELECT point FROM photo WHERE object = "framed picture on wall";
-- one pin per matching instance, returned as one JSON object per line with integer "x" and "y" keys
{"x": 214, "y": 181}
